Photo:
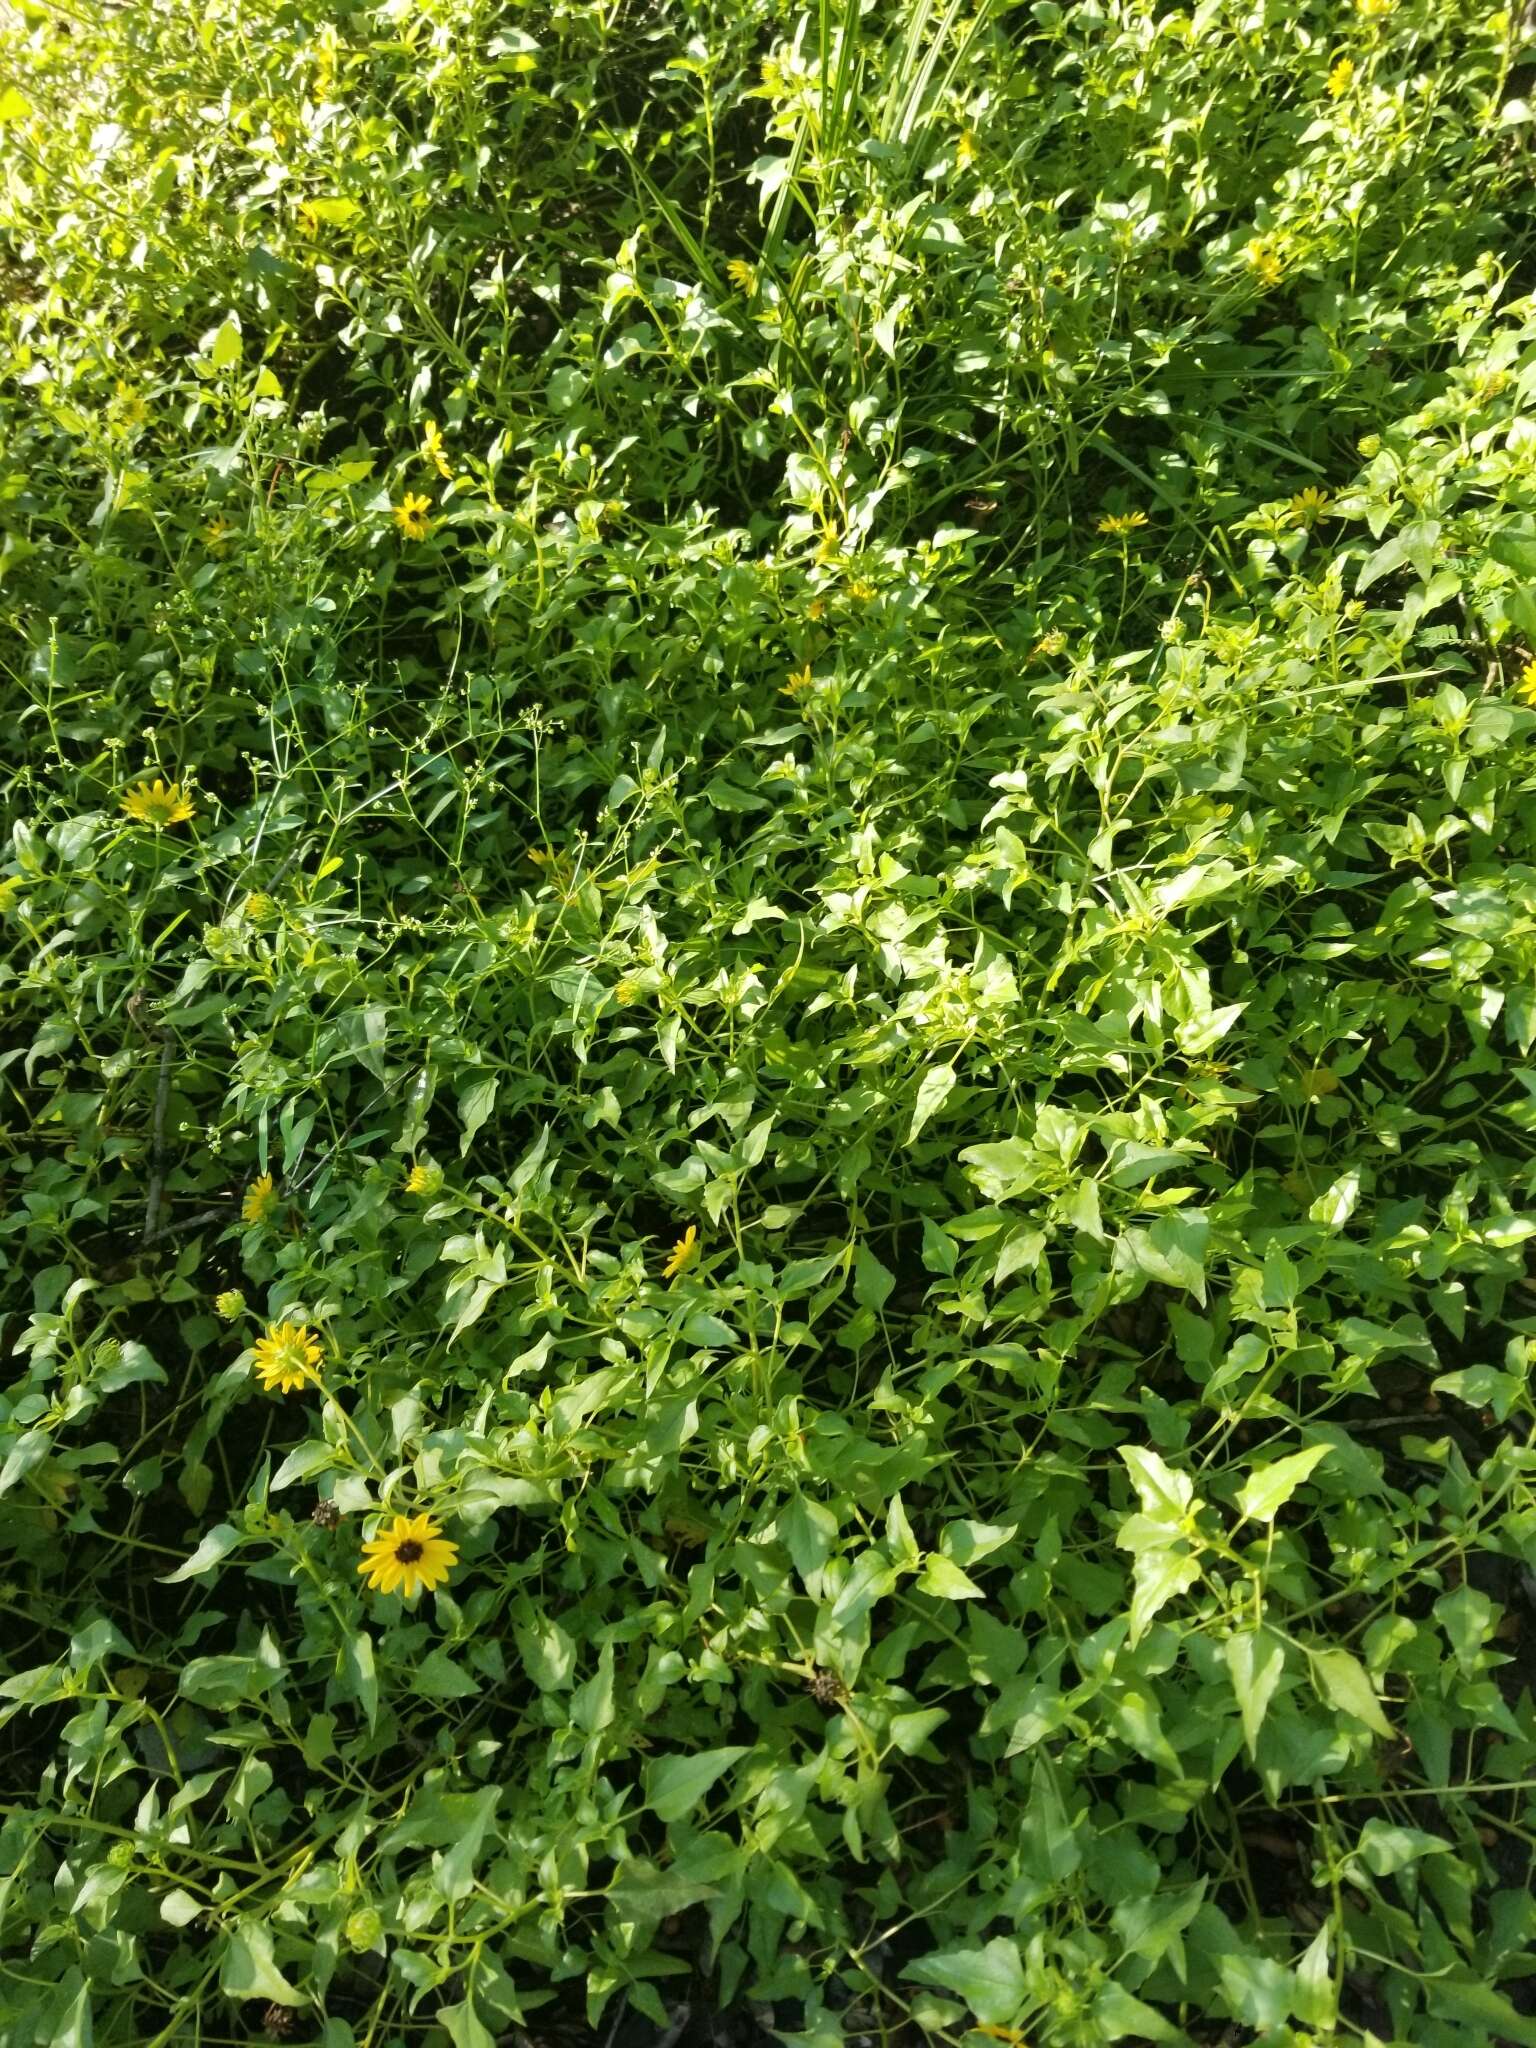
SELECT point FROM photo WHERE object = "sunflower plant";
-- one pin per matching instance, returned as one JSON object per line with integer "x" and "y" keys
{"x": 767, "y": 937}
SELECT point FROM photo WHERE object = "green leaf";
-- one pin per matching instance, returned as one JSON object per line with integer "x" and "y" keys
{"x": 1334, "y": 1207}
{"x": 215, "y": 1547}
{"x": 1343, "y": 1681}
{"x": 1117, "y": 2013}
{"x": 302, "y": 1462}
{"x": 708, "y": 1332}
{"x": 225, "y": 1682}
{"x": 360, "y": 1673}
{"x": 463, "y": 2028}
{"x": 1005, "y": 1168}
{"x": 1469, "y": 1619}
{"x": 437, "y": 1677}
{"x": 225, "y": 344}
{"x": 941, "y": 1575}
{"x": 72, "y": 2024}
{"x": 808, "y": 1531}
{"x": 1165, "y": 1495}
{"x": 98, "y": 1639}
{"x": 1160, "y": 1576}
{"x": 1314, "y": 2000}
{"x": 1255, "y": 1664}
{"x": 454, "y": 1872}
{"x": 1171, "y": 1251}
{"x": 1259, "y": 1989}
{"x": 1268, "y": 1489}
{"x": 872, "y": 1284}
{"x": 909, "y": 1732}
{"x": 674, "y": 1785}
{"x": 1472, "y": 2003}
{"x": 990, "y": 1979}
{"x": 248, "y": 1970}
{"x": 475, "y": 1105}
{"x": 932, "y": 1093}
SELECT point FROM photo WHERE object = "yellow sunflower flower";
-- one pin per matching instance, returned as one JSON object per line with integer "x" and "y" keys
{"x": 230, "y": 1304}
{"x": 410, "y": 1556}
{"x": 423, "y": 1179}
{"x": 259, "y": 906}
{"x": 10, "y": 889}
{"x": 260, "y": 1200}
{"x": 1341, "y": 78}
{"x": 742, "y": 274}
{"x": 287, "y": 1359}
{"x": 433, "y": 451}
{"x": 1264, "y": 261}
{"x": 411, "y": 516}
{"x": 799, "y": 682}
{"x": 1525, "y": 689}
{"x": 684, "y": 1252}
{"x": 1121, "y": 523}
{"x": 1309, "y": 505}
{"x": 158, "y": 804}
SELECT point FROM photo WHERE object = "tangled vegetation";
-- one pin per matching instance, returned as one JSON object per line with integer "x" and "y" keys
{"x": 767, "y": 984}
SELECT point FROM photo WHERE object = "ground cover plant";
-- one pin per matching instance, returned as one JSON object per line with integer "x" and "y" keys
{"x": 767, "y": 983}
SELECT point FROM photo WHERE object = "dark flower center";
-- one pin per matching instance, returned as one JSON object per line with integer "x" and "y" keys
{"x": 408, "y": 1551}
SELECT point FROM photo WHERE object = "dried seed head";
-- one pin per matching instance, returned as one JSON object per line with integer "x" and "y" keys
{"x": 325, "y": 1514}
{"x": 827, "y": 1689}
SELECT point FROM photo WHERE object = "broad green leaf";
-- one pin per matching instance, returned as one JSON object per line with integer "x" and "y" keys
{"x": 990, "y": 1980}
{"x": 1258, "y": 1987}
{"x": 932, "y": 1093}
{"x": 302, "y": 1462}
{"x": 1337, "y": 1204}
{"x": 1343, "y": 1681}
{"x": 215, "y": 1546}
{"x": 475, "y": 1105}
{"x": 462, "y": 2026}
{"x": 1475, "y": 2005}
{"x": 454, "y": 1872}
{"x": 910, "y": 1731}
{"x": 872, "y": 1283}
{"x": 1314, "y": 2000}
{"x": 941, "y": 1575}
{"x": 1165, "y": 1494}
{"x": 1469, "y": 1619}
{"x": 225, "y": 345}
{"x": 1117, "y": 2015}
{"x": 1255, "y": 1663}
{"x": 437, "y": 1677}
{"x": 1159, "y": 1576}
{"x": 248, "y": 1970}
{"x": 674, "y": 1785}
{"x": 1171, "y": 1251}
{"x": 358, "y": 1659}
{"x": 1268, "y": 1489}
{"x": 809, "y": 1531}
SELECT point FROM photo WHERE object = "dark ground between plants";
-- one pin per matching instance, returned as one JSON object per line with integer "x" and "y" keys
{"x": 771, "y": 853}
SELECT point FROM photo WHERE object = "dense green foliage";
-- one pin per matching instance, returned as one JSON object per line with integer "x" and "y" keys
{"x": 895, "y": 638}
